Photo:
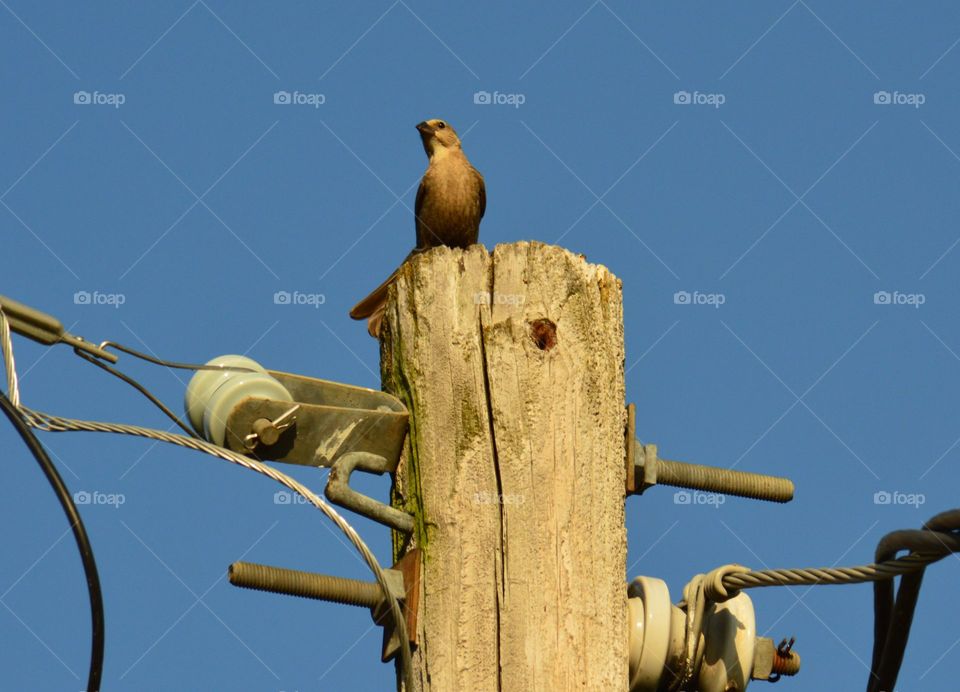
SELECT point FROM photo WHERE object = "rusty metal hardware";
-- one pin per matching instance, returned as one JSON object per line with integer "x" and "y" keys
{"x": 339, "y": 492}
{"x": 771, "y": 662}
{"x": 403, "y": 580}
{"x": 645, "y": 469}
{"x": 332, "y": 419}
{"x": 786, "y": 661}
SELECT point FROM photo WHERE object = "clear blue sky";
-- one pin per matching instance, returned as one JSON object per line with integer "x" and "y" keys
{"x": 781, "y": 211}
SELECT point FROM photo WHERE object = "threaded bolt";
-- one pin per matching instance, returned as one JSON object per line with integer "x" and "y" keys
{"x": 786, "y": 664}
{"x": 293, "y": 582}
{"x": 718, "y": 480}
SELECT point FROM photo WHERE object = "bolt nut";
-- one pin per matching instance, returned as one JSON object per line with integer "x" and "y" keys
{"x": 763, "y": 657}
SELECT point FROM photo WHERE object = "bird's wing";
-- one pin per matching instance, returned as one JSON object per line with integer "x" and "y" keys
{"x": 481, "y": 193}
{"x": 421, "y": 193}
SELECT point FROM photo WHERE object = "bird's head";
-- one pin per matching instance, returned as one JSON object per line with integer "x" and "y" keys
{"x": 438, "y": 137}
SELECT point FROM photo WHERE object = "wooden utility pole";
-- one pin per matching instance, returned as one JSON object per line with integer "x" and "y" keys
{"x": 511, "y": 366}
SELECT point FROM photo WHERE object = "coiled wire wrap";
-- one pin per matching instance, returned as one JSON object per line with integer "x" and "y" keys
{"x": 939, "y": 537}
{"x": 51, "y": 423}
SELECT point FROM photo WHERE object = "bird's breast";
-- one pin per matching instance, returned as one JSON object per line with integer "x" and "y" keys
{"x": 449, "y": 213}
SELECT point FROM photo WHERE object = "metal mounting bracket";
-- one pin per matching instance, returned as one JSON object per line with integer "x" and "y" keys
{"x": 339, "y": 492}
{"x": 331, "y": 419}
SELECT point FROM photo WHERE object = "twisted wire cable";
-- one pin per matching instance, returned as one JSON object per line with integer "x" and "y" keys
{"x": 893, "y": 616}
{"x": 833, "y": 575}
{"x": 51, "y": 423}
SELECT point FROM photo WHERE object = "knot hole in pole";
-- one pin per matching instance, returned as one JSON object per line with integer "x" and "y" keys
{"x": 544, "y": 333}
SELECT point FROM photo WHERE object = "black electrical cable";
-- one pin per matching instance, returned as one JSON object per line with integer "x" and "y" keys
{"x": 140, "y": 388}
{"x": 156, "y": 361}
{"x": 894, "y": 616}
{"x": 170, "y": 363}
{"x": 79, "y": 534}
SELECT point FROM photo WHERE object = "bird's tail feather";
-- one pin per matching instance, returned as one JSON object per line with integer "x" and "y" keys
{"x": 373, "y": 306}
{"x": 375, "y": 300}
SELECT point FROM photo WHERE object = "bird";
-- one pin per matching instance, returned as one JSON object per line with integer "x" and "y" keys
{"x": 450, "y": 202}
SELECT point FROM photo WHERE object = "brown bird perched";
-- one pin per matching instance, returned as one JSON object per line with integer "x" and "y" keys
{"x": 450, "y": 203}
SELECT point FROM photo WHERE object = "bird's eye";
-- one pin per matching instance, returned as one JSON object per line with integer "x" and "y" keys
{"x": 441, "y": 124}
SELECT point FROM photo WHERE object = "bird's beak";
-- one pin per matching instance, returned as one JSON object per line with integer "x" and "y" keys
{"x": 425, "y": 128}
